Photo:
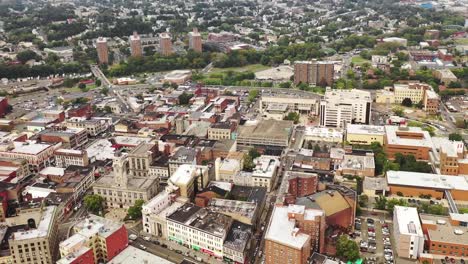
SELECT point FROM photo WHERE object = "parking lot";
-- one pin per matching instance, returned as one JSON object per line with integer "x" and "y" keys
{"x": 375, "y": 240}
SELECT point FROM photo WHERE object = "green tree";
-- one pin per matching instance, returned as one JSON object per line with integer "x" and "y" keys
{"x": 363, "y": 200}
{"x": 347, "y": 249}
{"x": 134, "y": 212}
{"x": 380, "y": 203}
{"x": 105, "y": 91}
{"x": 455, "y": 137}
{"x": 27, "y": 55}
{"x": 285, "y": 85}
{"x": 292, "y": 116}
{"x": 393, "y": 202}
{"x": 398, "y": 111}
{"x": 253, "y": 95}
{"x": 184, "y": 98}
{"x": 98, "y": 83}
{"x": 82, "y": 86}
{"x": 94, "y": 203}
{"x": 107, "y": 109}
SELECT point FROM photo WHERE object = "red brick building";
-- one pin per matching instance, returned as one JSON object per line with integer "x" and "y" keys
{"x": 3, "y": 106}
{"x": 302, "y": 183}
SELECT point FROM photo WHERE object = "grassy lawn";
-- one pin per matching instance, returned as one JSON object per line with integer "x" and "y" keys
{"x": 358, "y": 60}
{"x": 252, "y": 68}
{"x": 75, "y": 89}
{"x": 463, "y": 41}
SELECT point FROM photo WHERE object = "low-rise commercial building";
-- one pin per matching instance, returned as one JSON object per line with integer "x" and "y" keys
{"x": 264, "y": 173}
{"x": 66, "y": 157}
{"x": 38, "y": 155}
{"x": 364, "y": 134}
{"x": 199, "y": 229}
{"x": 155, "y": 212}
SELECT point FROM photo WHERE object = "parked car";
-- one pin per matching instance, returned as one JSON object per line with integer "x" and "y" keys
{"x": 142, "y": 247}
{"x": 147, "y": 238}
{"x": 370, "y": 221}
{"x": 132, "y": 237}
{"x": 178, "y": 251}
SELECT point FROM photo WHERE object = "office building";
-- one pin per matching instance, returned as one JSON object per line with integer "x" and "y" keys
{"x": 36, "y": 241}
{"x": 67, "y": 157}
{"x": 407, "y": 141}
{"x": 413, "y": 91}
{"x": 102, "y": 50}
{"x": 364, "y": 134}
{"x": 356, "y": 164}
{"x": 221, "y": 130}
{"x": 340, "y": 107}
{"x": 136, "y": 49}
{"x": 451, "y": 156}
{"x": 95, "y": 240}
{"x": 237, "y": 243}
{"x": 199, "y": 229}
{"x": 187, "y": 179}
{"x": 38, "y": 155}
{"x": 407, "y": 231}
{"x": 195, "y": 40}
{"x": 293, "y": 233}
{"x": 414, "y": 184}
{"x": 183, "y": 155}
{"x": 165, "y": 44}
{"x": 264, "y": 173}
{"x": 320, "y": 73}
{"x": 155, "y": 212}
{"x": 446, "y": 235}
{"x": 283, "y": 104}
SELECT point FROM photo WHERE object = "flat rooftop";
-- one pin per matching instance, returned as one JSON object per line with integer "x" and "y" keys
{"x": 365, "y": 129}
{"x": 29, "y": 147}
{"x": 323, "y": 132}
{"x": 135, "y": 184}
{"x": 273, "y": 129}
{"x": 408, "y": 220}
{"x": 96, "y": 224}
{"x": 134, "y": 255}
{"x": 444, "y": 231}
{"x": 265, "y": 166}
{"x": 283, "y": 231}
{"x": 427, "y": 180}
{"x": 43, "y": 228}
{"x": 400, "y": 136}
{"x": 130, "y": 141}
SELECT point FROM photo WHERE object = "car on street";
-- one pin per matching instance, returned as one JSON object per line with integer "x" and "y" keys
{"x": 132, "y": 237}
{"x": 147, "y": 238}
{"x": 143, "y": 247}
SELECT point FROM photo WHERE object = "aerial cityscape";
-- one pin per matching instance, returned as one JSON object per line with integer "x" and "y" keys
{"x": 234, "y": 131}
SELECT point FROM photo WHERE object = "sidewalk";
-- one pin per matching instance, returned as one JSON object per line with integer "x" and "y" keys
{"x": 190, "y": 252}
